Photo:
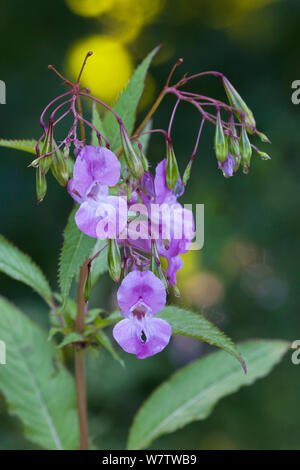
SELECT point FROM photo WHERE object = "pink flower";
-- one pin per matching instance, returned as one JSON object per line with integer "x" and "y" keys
{"x": 140, "y": 296}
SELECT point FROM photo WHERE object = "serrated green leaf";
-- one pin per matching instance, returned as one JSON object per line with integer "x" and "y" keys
{"x": 127, "y": 103}
{"x": 76, "y": 248}
{"x": 99, "y": 264}
{"x": 24, "y": 145}
{"x": 192, "y": 393}
{"x": 37, "y": 388}
{"x": 104, "y": 340}
{"x": 187, "y": 323}
{"x": 20, "y": 267}
{"x": 72, "y": 337}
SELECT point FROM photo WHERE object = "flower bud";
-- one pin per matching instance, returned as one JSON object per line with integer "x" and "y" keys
{"x": 41, "y": 185}
{"x": 236, "y": 101}
{"x": 114, "y": 260}
{"x": 246, "y": 150}
{"x": 221, "y": 143}
{"x": 172, "y": 172}
{"x": 133, "y": 162}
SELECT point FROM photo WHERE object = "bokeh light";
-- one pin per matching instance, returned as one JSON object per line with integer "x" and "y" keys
{"x": 89, "y": 7}
{"x": 108, "y": 69}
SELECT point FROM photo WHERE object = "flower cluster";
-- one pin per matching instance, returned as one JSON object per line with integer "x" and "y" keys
{"x": 138, "y": 212}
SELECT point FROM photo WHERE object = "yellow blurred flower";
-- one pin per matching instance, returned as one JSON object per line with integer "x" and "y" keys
{"x": 108, "y": 69}
{"x": 89, "y": 7}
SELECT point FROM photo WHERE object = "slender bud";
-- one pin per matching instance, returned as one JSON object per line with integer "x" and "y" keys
{"x": 172, "y": 172}
{"x": 155, "y": 265}
{"x": 187, "y": 172}
{"x": 263, "y": 155}
{"x": 221, "y": 143}
{"x": 263, "y": 137}
{"x": 133, "y": 162}
{"x": 236, "y": 101}
{"x": 174, "y": 290}
{"x": 41, "y": 185}
{"x": 45, "y": 162}
{"x": 114, "y": 260}
{"x": 59, "y": 168}
{"x": 87, "y": 287}
{"x": 144, "y": 160}
{"x": 246, "y": 150}
{"x": 233, "y": 143}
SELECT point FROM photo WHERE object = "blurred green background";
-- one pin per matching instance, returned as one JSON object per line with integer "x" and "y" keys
{"x": 246, "y": 278}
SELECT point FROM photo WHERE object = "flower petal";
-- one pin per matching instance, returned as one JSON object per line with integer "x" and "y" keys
{"x": 143, "y": 286}
{"x": 163, "y": 193}
{"x": 95, "y": 163}
{"x": 103, "y": 218}
{"x": 158, "y": 333}
{"x": 128, "y": 336}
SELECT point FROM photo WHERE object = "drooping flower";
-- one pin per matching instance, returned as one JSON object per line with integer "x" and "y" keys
{"x": 228, "y": 167}
{"x": 140, "y": 296}
{"x": 96, "y": 168}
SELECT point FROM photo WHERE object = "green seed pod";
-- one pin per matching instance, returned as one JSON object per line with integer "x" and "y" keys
{"x": 246, "y": 150}
{"x": 236, "y": 101}
{"x": 172, "y": 172}
{"x": 41, "y": 185}
{"x": 133, "y": 162}
{"x": 221, "y": 142}
{"x": 114, "y": 260}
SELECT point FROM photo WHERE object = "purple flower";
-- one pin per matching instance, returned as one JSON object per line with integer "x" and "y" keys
{"x": 228, "y": 167}
{"x": 100, "y": 215}
{"x": 140, "y": 296}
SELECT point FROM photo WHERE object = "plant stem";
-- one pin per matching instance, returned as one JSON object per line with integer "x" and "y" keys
{"x": 151, "y": 112}
{"x": 80, "y": 379}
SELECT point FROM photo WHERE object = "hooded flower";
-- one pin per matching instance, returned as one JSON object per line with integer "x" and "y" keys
{"x": 140, "y": 296}
{"x": 100, "y": 215}
{"x": 228, "y": 167}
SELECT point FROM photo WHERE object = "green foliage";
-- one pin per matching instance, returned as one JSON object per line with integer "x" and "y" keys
{"x": 37, "y": 388}
{"x": 24, "y": 145}
{"x": 126, "y": 104}
{"x": 187, "y": 323}
{"x": 192, "y": 393}
{"x": 19, "y": 266}
{"x": 76, "y": 248}
{"x": 70, "y": 338}
{"x": 104, "y": 341}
